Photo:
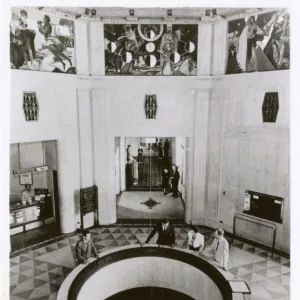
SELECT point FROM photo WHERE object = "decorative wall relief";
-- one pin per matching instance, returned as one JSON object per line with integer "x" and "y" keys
{"x": 270, "y": 107}
{"x": 41, "y": 42}
{"x": 30, "y": 106}
{"x": 150, "y": 49}
{"x": 259, "y": 43}
{"x": 150, "y": 106}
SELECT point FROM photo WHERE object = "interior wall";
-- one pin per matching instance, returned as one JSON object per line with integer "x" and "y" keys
{"x": 186, "y": 107}
{"x": 255, "y": 155}
{"x": 57, "y": 120}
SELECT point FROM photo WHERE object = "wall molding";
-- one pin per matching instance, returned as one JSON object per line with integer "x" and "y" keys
{"x": 250, "y": 12}
{"x": 49, "y": 11}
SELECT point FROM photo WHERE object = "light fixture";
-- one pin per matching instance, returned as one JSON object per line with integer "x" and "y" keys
{"x": 93, "y": 12}
{"x": 169, "y": 12}
{"x": 131, "y": 12}
{"x": 214, "y": 11}
{"x": 207, "y": 12}
{"x": 87, "y": 11}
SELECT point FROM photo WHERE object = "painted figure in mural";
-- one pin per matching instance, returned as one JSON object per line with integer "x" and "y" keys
{"x": 41, "y": 45}
{"x": 150, "y": 49}
{"x": 127, "y": 50}
{"x": 233, "y": 65}
{"x": 57, "y": 46}
{"x": 278, "y": 48}
{"x": 22, "y": 40}
{"x": 169, "y": 44}
{"x": 264, "y": 32}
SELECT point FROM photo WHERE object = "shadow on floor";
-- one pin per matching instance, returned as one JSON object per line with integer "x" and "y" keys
{"x": 34, "y": 236}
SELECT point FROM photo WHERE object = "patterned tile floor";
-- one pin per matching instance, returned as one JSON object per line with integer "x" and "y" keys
{"x": 38, "y": 274}
{"x": 150, "y": 173}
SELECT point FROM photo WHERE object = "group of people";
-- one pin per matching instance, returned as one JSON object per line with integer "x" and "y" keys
{"x": 132, "y": 166}
{"x": 170, "y": 181}
{"x": 85, "y": 248}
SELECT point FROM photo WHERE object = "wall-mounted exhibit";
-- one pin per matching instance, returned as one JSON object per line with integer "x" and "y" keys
{"x": 150, "y": 49}
{"x": 259, "y": 43}
{"x": 41, "y": 42}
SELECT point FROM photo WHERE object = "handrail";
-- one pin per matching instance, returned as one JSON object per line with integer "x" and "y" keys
{"x": 176, "y": 254}
{"x": 258, "y": 222}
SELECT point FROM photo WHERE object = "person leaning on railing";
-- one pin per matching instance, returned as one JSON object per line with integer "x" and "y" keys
{"x": 195, "y": 240}
{"x": 85, "y": 248}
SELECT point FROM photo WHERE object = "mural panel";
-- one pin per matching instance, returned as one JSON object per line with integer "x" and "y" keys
{"x": 150, "y": 49}
{"x": 41, "y": 42}
{"x": 259, "y": 43}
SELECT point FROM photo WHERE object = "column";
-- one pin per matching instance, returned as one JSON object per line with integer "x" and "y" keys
{"x": 81, "y": 47}
{"x": 96, "y": 43}
{"x": 85, "y": 146}
{"x": 122, "y": 163}
{"x": 68, "y": 179}
{"x": 104, "y": 158}
{"x": 219, "y": 48}
{"x": 213, "y": 167}
{"x": 189, "y": 180}
{"x": 117, "y": 170}
{"x": 204, "y": 49}
{"x": 201, "y": 105}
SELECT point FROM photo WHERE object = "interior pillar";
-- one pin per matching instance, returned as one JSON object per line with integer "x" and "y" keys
{"x": 122, "y": 163}
{"x": 201, "y": 105}
{"x": 189, "y": 180}
{"x": 104, "y": 150}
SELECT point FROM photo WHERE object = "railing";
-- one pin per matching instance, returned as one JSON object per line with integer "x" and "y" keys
{"x": 258, "y": 222}
{"x": 164, "y": 252}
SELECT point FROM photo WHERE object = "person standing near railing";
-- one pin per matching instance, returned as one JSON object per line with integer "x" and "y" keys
{"x": 195, "y": 240}
{"x": 222, "y": 250}
{"x": 166, "y": 234}
{"x": 85, "y": 248}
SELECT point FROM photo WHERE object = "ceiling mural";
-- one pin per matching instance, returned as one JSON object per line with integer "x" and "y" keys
{"x": 259, "y": 43}
{"x": 41, "y": 42}
{"x": 151, "y": 49}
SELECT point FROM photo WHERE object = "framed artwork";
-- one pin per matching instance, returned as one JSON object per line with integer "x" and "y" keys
{"x": 26, "y": 178}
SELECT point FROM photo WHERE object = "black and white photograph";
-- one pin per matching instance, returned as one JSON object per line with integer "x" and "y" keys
{"x": 149, "y": 152}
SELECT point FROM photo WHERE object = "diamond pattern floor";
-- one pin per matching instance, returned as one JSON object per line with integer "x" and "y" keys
{"x": 38, "y": 274}
{"x": 150, "y": 173}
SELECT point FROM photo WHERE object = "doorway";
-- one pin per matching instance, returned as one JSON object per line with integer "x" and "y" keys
{"x": 140, "y": 163}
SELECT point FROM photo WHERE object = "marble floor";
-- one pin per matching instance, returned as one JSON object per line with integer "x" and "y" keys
{"x": 37, "y": 274}
{"x": 130, "y": 206}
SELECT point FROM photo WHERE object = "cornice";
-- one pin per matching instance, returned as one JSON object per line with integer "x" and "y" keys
{"x": 49, "y": 11}
{"x": 250, "y": 12}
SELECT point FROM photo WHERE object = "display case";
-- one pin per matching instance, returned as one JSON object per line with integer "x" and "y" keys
{"x": 40, "y": 210}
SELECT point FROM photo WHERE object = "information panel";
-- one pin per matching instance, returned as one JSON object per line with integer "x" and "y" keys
{"x": 88, "y": 201}
{"x": 88, "y": 197}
